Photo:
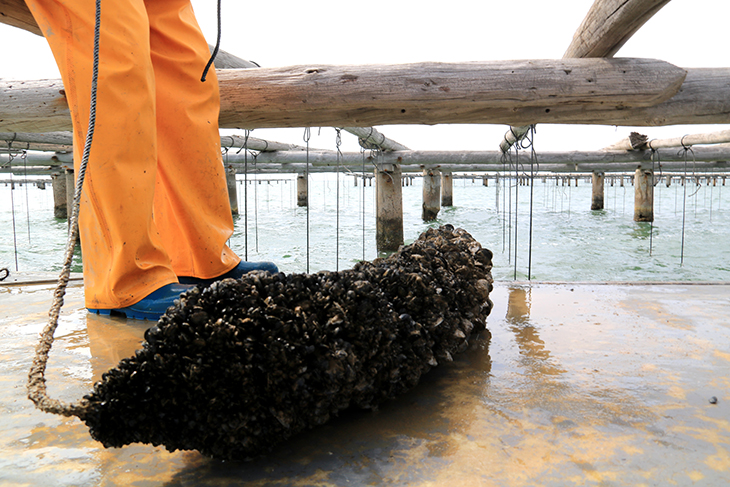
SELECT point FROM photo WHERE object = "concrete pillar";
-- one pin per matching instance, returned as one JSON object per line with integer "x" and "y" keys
{"x": 58, "y": 181}
{"x": 431, "y": 194}
{"x": 447, "y": 189}
{"x": 644, "y": 195}
{"x": 232, "y": 189}
{"x": 597, "y": 180}
{"x": 302, "y": 193}
{"x": 388, "y": 208}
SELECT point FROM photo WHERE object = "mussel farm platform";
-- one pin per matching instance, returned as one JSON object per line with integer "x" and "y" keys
{"x": 580, "y": 384}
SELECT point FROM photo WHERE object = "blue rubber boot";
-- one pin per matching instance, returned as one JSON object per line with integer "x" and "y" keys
{"x": 153, "y": 306}
{"x": 237, "y": 272}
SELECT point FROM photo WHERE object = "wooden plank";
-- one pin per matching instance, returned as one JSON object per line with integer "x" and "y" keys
{"x": 16, "y": 13}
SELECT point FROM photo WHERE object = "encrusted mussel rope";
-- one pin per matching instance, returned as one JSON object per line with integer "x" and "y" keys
{"x": 37, "y": 391}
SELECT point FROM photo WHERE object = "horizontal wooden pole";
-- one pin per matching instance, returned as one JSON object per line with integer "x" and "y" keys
{"x": 431, "y": 93}
{"x": 594, "y": 91}
{"x": 719, "y": 137}
{"x": 369, "y": 138}
{"x": 720, "y": 152}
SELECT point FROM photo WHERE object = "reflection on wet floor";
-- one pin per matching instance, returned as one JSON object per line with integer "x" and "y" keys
{"x": 579, "y": 385}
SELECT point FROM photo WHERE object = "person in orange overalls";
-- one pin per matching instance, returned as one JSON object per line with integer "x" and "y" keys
{"x": 155, "y": 215}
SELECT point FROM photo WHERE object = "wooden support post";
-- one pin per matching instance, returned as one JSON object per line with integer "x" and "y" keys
{"x": 597, "y": 180}
{"x": 58, "y": 181}
{"x": 644, "y": 195}
{"x": 447, "y": 189}
{"x": 302, "y": 190}
{"x": 232, "y": 189}
{"x": 389, "y": 208}
{"x": 70, "y": 187}
{"x": 669, "y": 181}
{"x": 431, "y": 194}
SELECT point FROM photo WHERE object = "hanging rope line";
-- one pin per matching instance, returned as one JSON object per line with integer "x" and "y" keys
{"x": 246, "y": 135}
{"x": 533, "y": 163}
{"x": 36, "y": 378}
{"x": 362, "y": 153}
{"x": 654, "y": 160}
{"x": 686, "y": 150}
{"x": 517, "y": 201}
{"x": 307, "y": 136}
{"x": 24, "y": 156}
{"x": 256, "y": 200}
{"x": 12, "y": 212}
{"x": 217, "y": 46}
{"x": 338, "y": 143}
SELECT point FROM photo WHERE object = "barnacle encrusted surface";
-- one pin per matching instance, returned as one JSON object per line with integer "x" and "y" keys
{"x": 236, "y": 368}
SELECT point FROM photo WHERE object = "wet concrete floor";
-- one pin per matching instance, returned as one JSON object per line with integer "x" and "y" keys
{"x": 580, "y": 385}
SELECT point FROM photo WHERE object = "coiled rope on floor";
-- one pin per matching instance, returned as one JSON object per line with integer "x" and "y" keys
{"x": 37, "y": 391}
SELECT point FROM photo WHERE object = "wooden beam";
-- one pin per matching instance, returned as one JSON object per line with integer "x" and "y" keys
{"x": 63, "y": 142}
{"x": 720, "y": 137}
{"x": 17, "y": 14}
{"x": 608, "y": 25}
{"x": 593, "y": 91}
{"x": 604, "y": 30}
{"x": 719, "y": 152}
{"x": 370, "y": 138}
{"x": 437, "y": 92}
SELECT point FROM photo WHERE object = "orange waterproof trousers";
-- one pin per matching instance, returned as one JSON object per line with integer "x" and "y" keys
{"x": 154, "y": 204}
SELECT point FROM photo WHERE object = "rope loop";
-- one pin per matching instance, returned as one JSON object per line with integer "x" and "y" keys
{"x": 5, "y": 273}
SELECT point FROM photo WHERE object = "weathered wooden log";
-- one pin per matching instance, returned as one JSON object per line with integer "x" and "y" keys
{"x": 232, "y": 188}
{"x": 597, "y": 184}
{"x": 370, "y": 138}
{"x": 438, "y": 92}
{"x": 447, "y": 189}
{"x": 388, "y": 208}
{"x": 562, "y": 91}
{"x": 604, "y": 30}
{"x": 431, "y": 194}
{"x": 644, "y": 195}
{"x": 302, "y": 189}
{"x": 720, "y": 137}
{"x": 63, "y": 142}
{"x": 608, "y": 25}
{"x": 17, "y": 14}
{"x": 58, "y": 181}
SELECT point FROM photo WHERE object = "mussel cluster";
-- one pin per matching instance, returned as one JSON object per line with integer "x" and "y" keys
{"x": 238, "y": 367}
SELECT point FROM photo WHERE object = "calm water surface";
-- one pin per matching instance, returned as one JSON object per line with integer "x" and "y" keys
{"x": 569, "y": 241}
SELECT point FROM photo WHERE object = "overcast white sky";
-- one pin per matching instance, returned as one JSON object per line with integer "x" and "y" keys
{"x": 687, "y": 33}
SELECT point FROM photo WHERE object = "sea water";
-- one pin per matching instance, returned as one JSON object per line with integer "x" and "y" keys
{"x": 546, "y": 232}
